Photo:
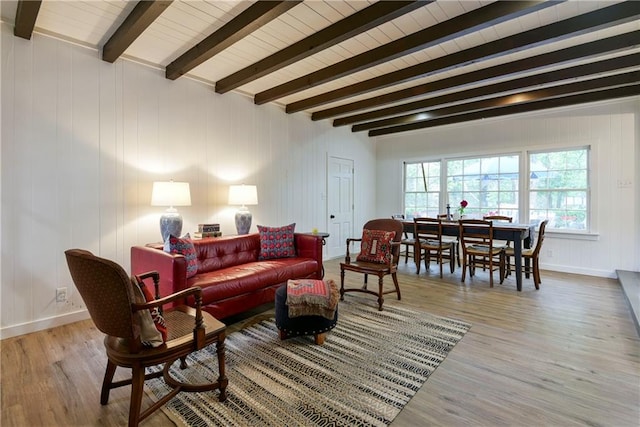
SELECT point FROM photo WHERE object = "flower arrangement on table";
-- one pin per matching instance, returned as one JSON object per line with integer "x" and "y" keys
{"x": 463, "y": 204}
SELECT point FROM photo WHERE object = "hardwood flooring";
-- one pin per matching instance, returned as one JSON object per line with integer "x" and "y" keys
{"x": 566, "y": 355}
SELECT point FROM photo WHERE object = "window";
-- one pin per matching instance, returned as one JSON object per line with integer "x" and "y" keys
{"x": 421, "y": 189}
{"x": 559, "y": 188}
{"x": 488, "y": 184}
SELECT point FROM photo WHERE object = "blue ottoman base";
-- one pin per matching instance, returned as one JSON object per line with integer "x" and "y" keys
{"x": 303, "y": 325}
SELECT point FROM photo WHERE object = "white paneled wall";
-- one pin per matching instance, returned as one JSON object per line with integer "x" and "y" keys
{"x": 83, "y": 140}
{"x": 610, "y": 128}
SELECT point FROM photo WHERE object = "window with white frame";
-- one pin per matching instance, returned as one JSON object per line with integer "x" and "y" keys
{"x": 559, "y": 188}
{"x": 421, "y": 189}
{"x": 489, "y": 185}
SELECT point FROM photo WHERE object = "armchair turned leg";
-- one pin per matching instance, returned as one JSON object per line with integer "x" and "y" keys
{"x": 380, "y": 297}
{"x": 137, "y": 389}
{"x": 341, "y": 284}
{"x": 106, "y": 383}
{"x": 222, "y": 378}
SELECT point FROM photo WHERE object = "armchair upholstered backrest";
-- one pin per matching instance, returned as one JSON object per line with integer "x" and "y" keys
{"x": 106, "y": 290}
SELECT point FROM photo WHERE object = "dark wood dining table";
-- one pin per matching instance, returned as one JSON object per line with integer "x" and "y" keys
{"x": 519, "y": 234}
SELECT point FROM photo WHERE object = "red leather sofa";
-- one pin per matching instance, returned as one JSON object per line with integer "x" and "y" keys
{"x": 232, "y": 278}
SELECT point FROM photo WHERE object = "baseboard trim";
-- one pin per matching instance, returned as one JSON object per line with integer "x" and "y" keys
{"x": 42, "y": 324}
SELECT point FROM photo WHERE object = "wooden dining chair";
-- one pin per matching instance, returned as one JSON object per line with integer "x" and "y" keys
{"x": 379, "y": 254}
{"x": 407, "y": 241}
{"x": 530, "y": 256}
{"x": 118, "y": 307}
{"x": 476, "y": 239}
{"x": 454, "y": 240}
{"x": 428, "y": 233}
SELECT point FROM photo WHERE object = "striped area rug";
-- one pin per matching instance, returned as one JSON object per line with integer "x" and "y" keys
{"x": 369, "y": 367}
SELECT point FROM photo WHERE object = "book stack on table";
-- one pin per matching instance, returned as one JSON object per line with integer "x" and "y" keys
{"x": 207, "y": 230}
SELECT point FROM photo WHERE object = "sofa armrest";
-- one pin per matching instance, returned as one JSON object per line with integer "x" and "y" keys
{"x": 309, "y": 246}
{"x": 171, "y": 267}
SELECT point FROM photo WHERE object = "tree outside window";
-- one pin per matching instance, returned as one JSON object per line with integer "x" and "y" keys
{"x": 559, "y": 188}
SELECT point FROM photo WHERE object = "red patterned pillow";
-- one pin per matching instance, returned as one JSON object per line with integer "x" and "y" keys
{"x": 158, "y": 320}
{"x": 184, "y": 246}
{"x": 277, "y": 242}
{"x": 376, "y": 246}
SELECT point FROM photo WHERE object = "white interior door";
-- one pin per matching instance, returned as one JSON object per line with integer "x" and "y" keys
{"x": 340, "y": 206}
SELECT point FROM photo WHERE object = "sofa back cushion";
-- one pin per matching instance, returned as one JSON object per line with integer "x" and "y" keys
{"x": 222, "y": 252}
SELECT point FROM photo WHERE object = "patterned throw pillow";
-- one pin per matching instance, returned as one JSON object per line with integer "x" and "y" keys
{"x": 184, "y": 246}
{"x": 150, "y": 334}
{"x": 158, "y": 320}
{"x": 277, "y": 242}
{"x": 376, "y": 246}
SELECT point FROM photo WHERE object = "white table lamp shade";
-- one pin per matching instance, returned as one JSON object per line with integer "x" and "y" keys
{"x": 170, "y": 193}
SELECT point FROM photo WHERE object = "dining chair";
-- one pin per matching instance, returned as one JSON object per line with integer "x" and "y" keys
{"x": 530, "y": 256}
{"x": 499, "y": 218}
{"x": 379, "y": 254}
{"x": 476, "y": 238}
{"x": 454, "y": 240}
{"x": 408, "y": 242}
{"x": 428, "y": 234}
{"x": 120, "y": 309}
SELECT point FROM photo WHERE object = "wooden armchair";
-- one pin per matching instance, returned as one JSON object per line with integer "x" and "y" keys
{"x": 380, "y": 251}
{"x": 115, "y": 308}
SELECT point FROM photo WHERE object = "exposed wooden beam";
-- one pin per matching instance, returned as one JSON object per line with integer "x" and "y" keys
{"x": 588, "y": 22}
{"x": 586, "y": 50}
{"x": 543, "y": 104}
{"x": 142, "y": 15}
{"x": 252, "y": 18}
{"x": 475, "y": 20}
{"x": 361, "y": 21}
{"x": 26, "y": 15}
{"x": 519, "y": 84}
{"x": 500, "y": 101}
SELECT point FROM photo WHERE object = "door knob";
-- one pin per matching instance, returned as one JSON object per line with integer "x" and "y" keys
{"x": 332, "y": 216}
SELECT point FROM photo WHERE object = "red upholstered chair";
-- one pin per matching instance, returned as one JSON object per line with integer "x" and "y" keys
{"x": 381, "y": 263}
{"x": 113, "y": 303}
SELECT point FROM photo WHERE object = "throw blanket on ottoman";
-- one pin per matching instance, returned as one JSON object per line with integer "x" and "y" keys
{"x": 310, "y": 297}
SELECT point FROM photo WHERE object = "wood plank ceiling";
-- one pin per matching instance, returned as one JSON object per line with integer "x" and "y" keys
{"x": 380, "y": 67}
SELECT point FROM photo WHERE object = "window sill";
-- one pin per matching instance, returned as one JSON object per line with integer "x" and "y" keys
{"x": 569, "y": 235}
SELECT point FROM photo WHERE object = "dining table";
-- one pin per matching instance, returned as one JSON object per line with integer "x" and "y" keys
{"x": 520, "y": 234}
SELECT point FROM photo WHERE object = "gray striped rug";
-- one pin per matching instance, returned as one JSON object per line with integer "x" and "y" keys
{"x": 369, "y": 367}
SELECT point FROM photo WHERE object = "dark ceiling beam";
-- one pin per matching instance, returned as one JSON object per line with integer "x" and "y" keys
{"x": 544, "y": 104}
{"x": 519, "y": 84}
{"x": 475, "y": 20}
{"x": 142, "y": 15}
{"x": 252, "y": 18}
{"x": 361, "y": 21}
{"x": 26, "y": 15}
{"x": 588, "y": 22}
{"x": 501, "y": 101}
{"x": 583, "y": 51}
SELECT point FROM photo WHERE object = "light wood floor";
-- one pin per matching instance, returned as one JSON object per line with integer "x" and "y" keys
{"x": 566, "y": 355}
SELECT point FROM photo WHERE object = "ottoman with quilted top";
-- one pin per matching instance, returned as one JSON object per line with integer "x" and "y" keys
{"x": 316, "y": 325}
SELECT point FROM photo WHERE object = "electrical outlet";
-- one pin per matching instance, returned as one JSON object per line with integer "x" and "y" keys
{"x": 61, "y": 295}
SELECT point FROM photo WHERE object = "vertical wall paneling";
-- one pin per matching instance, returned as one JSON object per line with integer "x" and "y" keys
{"x": 83, "y": 140}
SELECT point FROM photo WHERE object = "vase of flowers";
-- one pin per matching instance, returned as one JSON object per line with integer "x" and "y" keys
{"x": 463, "y": 204}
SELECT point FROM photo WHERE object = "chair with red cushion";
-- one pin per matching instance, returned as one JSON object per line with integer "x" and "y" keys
{"x": 379, "y": 254}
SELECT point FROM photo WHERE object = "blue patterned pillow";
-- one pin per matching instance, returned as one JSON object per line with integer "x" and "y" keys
{"x": 277, "y": 242}
{"x": 184, "y": 246}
